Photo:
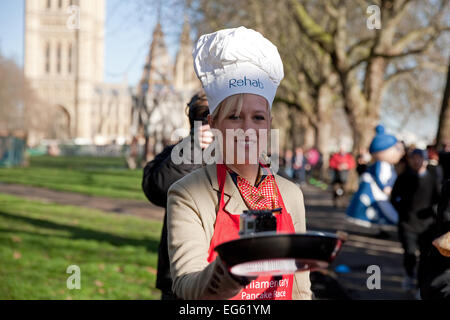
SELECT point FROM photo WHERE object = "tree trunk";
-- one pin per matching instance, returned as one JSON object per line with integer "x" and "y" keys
{"x": 374, "y": 86}
{"x": 324, "y": 105}
{"x": 309, "y": 139}
{"x": 360, "y": 113}
{"x": 148, "y": 150}
{"x": 363, "y": 133}
{"x": 322, "y": 142}
{"x": 443, "y": 134}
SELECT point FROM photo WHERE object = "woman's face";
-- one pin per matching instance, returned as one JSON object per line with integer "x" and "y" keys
{"x": 245, "y": 135}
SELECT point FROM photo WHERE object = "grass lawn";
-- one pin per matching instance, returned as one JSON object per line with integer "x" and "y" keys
{"x": 107, "y": 177}
{"x": 117, "y": 255}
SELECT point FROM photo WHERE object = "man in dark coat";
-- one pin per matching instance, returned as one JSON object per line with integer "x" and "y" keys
{"x": 413, "y": 196}
{"x": 444, "y": 160}
{"x": 162, "y": 172}
{"x": 435, "y": 266}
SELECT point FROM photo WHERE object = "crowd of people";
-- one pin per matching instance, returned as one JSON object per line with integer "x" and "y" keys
{"x": 298, "y": 166}
{"x": 412, "y": 185}
{"x": 421, "y": 197}
{"x": 405, "y": 187}
{"x": 399, "y": 185}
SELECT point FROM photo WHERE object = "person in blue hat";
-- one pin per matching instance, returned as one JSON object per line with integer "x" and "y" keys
{"x": 370, "y": 204}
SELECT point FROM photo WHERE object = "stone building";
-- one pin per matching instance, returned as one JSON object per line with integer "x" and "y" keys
{"x": 185, "y": 81}
{"x": 163, "y": 92}
{"x": 64, "y": 62}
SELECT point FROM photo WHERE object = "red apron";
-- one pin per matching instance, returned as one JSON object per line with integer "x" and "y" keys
{"x": 227, "y": 228}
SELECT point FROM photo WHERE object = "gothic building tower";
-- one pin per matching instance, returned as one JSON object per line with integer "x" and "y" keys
{"x": 158, "y": 66}
{"x": 64, "y": 62}
{"x": 185, "y": 80}
{"x": 166, "y": 89}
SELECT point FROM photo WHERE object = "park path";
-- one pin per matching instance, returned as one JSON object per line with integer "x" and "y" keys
{"x": 361, "y": 250}
{"x": 143, "y": 209}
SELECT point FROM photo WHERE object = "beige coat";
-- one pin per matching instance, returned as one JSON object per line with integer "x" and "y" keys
{"x": 191, "y": 214}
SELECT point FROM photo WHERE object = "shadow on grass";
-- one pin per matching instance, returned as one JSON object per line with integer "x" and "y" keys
{"x": 86, "y": 234}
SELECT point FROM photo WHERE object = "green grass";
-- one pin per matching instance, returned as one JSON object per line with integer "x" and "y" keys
{"x": 117, "y": 255}
{"x": 107, "y": 177}
{"x": 78, "y": 162}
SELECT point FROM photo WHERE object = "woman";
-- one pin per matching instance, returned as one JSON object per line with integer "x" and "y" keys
{"x": 240, "y": 71}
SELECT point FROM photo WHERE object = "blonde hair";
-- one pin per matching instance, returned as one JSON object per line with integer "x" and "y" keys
{"x": 228, "y": 104}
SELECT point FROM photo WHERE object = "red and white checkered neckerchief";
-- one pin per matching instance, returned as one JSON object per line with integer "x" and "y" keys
{"x": 262, "y": 197}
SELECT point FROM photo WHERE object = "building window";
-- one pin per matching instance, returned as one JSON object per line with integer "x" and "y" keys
{"x": 59, "y": 4}
{"x": 49, "y": 4}
{"x": 69, "y": 59}
{"x": 58, "y": 58}
{"x": 47, "y": 57}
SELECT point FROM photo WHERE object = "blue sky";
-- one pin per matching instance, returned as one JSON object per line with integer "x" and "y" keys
{"x": 11, "y": 29}
{"x": 128, "y": 31}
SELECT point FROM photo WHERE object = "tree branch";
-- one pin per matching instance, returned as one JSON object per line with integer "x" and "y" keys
{"x": 399, "y": 13}
{"x": 414, "y": 51}
{"x": 330, "y": 9}
{"x": 392, "y": 54}
{"x": 410, "y": 37}
{"x": 400, "y": 72}
{"x": 364, "y": 42}
{"x": 312, "y": 30}
{"x": 421, "y": 66}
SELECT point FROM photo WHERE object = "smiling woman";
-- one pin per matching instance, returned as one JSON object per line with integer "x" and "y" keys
{"x": 204, "y": 207}
{"x": 241, "y": 126}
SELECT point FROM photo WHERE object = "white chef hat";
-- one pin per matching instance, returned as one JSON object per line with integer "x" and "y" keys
{"x": 237, "y": 60}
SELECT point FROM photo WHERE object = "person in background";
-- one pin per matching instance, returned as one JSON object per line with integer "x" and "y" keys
{"x": 362, "y": 161}
{"x": 340, "y": 165}
{"x": 162, "y": 172}
{"x": 318, "y": 168}
{"x": 413, "y": 196}
{"x": 300, "y": 164}
{"x": 402, "y": 165}
{"x": 444, "y": 160}
{"x": 435, "y": 265}
{"x": 433, "y": 164}
{"x": 313, "y": 157}
{"x": 287, "y": 169}
{"x": 433, "y": 155}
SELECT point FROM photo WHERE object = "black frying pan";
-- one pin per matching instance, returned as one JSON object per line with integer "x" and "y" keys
{"x": 269, "y": 253}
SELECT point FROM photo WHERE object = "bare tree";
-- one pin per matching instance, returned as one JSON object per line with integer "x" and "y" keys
{"x": 362, "y": 58}
{"x": 333, "y": 60}
{"x": 443, "y": 134}
{"x": 20, "y": 110}
{"x": 13, "y": 94}
{"x": 309, "y": 87}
